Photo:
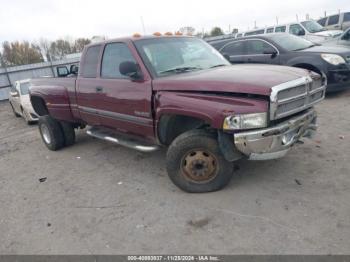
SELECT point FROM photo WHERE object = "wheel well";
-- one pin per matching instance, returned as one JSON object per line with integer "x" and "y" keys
{"x": 39, "y": 105}
{"x": 171, "y": 126}
{"x": 309, "y": 67}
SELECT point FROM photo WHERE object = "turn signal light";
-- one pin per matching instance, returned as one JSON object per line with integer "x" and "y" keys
{"x": 157, "y": 34}
{"x": 136, "y": 35}
{"x": 168, "y": 33}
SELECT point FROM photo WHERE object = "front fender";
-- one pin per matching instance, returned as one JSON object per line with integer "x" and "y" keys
{"x": 209, "y": 107}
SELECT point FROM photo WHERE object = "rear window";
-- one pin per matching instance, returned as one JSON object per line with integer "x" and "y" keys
{"x": 91, "y": 61}
{"x": 333, "y": 20}
{"x": 346, "y": 17}
{"x": 280, "y": 29}
{"x": 24, "y": 87}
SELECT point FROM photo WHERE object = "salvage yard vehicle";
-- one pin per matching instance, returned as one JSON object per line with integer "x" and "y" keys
{"x": 179, "y": 92}
{"x": 337, "y": 21}
{"x": 20, "y": 101}
{"x": 333, "y": 62}
{"x": 342, "y": 40}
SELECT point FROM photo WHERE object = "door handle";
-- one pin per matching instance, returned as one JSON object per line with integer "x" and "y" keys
{"x": 99, "y": 89}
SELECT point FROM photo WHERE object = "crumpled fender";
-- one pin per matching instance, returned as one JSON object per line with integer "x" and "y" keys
{"x": 210, "y": 107}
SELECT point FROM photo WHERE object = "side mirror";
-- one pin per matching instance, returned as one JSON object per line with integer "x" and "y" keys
{"x": 74, "y": 69}
{"x": 130, "y": 69}
{"x": 62, "y": 71}
{"x": 346, "y": 36}
{"x": 270, "y": 51}
{"x": 14, "y": 93}
{"x": 301, "y": 32}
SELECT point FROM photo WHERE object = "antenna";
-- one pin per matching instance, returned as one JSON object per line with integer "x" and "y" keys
{"x": 297, "y": 17}
{"x": 276, "y": 20}
{"x": 255, "y": 25}
{"x": 143, "y": 25}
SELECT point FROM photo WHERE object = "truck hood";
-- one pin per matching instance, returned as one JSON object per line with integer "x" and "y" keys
{"x": 331, "y": 33}
{"x": 245, "y": 79}
{"x": 328, "y": 49}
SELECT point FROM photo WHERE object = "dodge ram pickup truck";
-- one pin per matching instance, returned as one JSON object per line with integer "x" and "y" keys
{"x": 179, "y": 93}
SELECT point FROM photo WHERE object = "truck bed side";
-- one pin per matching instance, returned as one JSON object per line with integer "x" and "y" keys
{"x": 56, "y": 96}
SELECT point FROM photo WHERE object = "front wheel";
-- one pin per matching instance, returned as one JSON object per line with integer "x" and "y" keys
{"x": 195, "y": 163}
{"x": 51, "y": 132}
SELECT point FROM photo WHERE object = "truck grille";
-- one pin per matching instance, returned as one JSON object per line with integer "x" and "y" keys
{"x": 297, "y": 95}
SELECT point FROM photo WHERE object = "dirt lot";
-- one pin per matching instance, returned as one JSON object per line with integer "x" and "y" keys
{"x": 104, "y": 199}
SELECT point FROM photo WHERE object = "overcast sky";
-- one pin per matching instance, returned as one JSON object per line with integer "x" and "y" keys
{"x": 31, "y": 20}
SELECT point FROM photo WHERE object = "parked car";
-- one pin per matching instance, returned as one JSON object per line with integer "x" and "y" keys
{"x": 342, "y": 40}
{"x": 20, "y": 101}
{"x": 309, "y": 29}
{"x": 179, "y": 92}
{"x": 337, "y": 21}
{"x": 333, "y": 62}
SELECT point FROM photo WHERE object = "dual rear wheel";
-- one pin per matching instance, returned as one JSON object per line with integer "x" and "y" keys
{"x": 56, "y": 134}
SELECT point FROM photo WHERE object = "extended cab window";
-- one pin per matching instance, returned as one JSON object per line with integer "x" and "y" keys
{"x": 113, "y": 55}
{"x": 333, "y": 20}
{"x": 91, "y": 61}
{"x": 258, "y": 47}
{"x": 269, "y": 30}
{"x": 280, "y": 29}
{"x": 235, "y": 48}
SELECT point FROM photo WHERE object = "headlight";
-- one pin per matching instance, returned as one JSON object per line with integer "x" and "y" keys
{"x": 245, "y": 121}
{"x": 333, "y": 59}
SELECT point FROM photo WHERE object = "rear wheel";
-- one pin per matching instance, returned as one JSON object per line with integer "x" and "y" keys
{"x": 195, "y": 163}
{"x": 68, "y": 133}
{"x": 51, "y": 132}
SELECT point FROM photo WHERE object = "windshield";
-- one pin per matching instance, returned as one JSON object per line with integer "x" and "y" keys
{"x": 291, "y": 42}
{"x": 24, "y": 88}
{"x": 312, "y": 26}
{"x": 174, "y": 55}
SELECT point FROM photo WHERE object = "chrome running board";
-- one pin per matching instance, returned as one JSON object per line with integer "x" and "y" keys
{"x": 123, "y": 141}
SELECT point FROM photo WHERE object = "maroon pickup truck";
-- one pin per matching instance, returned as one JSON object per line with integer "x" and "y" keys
{"x": 178, "y": 92}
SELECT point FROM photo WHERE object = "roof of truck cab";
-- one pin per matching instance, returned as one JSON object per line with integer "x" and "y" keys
{"x": 137, "y": 38}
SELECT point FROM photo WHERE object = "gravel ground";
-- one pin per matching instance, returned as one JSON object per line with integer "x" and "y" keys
{"x": 104, "y": 199}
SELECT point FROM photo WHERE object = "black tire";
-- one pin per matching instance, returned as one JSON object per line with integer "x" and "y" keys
{"x": 53, "y": 130}
{"x": 68, "y": 133}
{"x": 197, "y": 142}
{"x": 14, "y": 112}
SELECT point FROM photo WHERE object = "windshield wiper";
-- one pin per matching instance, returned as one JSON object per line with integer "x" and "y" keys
{"x": 180, "y": 69}
{"x": 218, "y": 65}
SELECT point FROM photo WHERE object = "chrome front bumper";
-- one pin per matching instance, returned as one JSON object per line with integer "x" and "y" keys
{"x": 275, "y": 142}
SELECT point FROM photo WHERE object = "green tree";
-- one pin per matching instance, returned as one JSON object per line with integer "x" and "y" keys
{"x": 21, "y": 53}
{"x": 216, "y": 31}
